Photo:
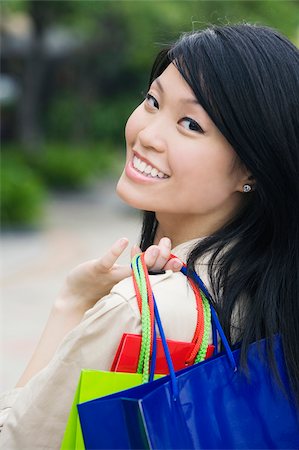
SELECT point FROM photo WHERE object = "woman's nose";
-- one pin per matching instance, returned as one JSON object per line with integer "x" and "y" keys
{"x": 151, "y": 137}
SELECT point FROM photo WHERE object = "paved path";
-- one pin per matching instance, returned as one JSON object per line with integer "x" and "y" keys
{"x": 77, "y": 227}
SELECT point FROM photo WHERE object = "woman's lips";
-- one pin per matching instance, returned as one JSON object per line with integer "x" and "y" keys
{"x": 139, "y": 177}
{"x": 149, "y": 163}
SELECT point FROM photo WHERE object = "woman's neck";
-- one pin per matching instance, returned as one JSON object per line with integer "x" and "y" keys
{"x": 177, "y": 229}
{"x": 183, "y": 228}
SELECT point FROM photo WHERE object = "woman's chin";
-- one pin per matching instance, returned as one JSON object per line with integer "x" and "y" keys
{"x": 124, "y": 192}
{"x": 133, "y": 197}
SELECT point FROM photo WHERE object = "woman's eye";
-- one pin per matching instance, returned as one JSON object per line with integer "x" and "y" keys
{"x": 150, "y": 99}
{"x": 191, "y": 125}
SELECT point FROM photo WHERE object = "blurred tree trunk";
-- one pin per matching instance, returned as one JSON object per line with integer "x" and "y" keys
{"x": 35, "y": 63}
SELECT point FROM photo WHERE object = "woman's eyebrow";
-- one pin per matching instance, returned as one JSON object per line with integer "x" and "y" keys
{"x": 194, "y": 101}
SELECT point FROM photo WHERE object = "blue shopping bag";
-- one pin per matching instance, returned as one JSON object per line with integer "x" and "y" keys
{"x": 208, "y": 405}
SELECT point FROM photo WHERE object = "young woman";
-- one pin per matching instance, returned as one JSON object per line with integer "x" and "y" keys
{"x": 213, "y": 160}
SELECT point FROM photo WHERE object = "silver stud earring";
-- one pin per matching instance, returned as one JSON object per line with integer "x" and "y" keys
{"x": 247, "y": 188}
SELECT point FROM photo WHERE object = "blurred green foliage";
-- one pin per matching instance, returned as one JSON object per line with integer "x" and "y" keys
{"x": 62, "y": 166}
{"x": 22, "y": 195}
{"x": 117, "y": 42}
{"x": 69, "y": 119}
{"x": 27, "y": 177}
{"x": 66, "y": 167}
{"x": 79, "y": 102}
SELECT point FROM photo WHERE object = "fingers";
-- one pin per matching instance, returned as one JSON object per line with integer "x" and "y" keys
{"x": 150, "y": 257}
{"x": 164, "y": 248}
{"x": 135, "y": 250}
{"x": 173, "y": 264}
{"x": 156, "y": 257}
{"x": 106, "y": 262}
{"x": 121, "y": 272}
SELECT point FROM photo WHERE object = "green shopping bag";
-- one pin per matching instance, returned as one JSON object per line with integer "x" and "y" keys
{"x": 94, "y": 384}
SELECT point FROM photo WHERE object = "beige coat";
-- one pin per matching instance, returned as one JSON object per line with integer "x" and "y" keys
{"x": 34, "y": 417}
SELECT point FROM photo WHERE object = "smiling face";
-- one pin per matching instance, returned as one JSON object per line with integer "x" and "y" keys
{"x": 178, "y": 163}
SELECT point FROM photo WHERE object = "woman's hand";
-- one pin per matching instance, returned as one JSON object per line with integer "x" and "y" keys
{"x": 84, "y": 286}
{"x": 157, "y": 256}
{"x": 92, "y": 280}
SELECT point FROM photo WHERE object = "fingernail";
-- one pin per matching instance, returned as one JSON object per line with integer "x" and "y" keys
{"x": 136, "y": 248}
{"x": 123, "y": 241}
{"x": 166, "y": 241}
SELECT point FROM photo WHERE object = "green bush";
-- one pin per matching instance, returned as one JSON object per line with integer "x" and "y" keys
{"x": 22, "y": 194}
{"x": 24, "y": 176}
{"x": 63, "y": 167}
{"x": 66, "y": 167}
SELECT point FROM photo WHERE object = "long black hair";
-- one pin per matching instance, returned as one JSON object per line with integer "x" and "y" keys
{"x": 246, "y": 77}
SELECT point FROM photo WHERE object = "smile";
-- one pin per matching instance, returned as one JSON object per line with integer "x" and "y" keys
{"x": 146, "y": 169}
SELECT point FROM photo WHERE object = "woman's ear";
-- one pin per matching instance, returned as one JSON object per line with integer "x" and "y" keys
{"x": 247, "y": 182}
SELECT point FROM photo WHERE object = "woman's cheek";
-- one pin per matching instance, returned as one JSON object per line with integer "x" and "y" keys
{"x": 133, "y": 125}
{"x": 129, "y": 130}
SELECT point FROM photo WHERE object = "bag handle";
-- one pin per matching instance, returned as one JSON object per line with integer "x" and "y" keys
{"x": 216, "y": 328}
{"x": 203, "y": 324}
{"x": 145, "y": 303}
{"x": 175, "y": 389}
{"x": 215, "y": 319}
{"x": 172, "y": 374}
{"x": 144, "y": 297}
{"x": 142, "y": 280}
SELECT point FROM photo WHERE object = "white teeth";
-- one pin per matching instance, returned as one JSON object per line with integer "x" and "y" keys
{"x": 154, "y": 172}
{"x": 147, "y": 169}
{"x": 142, "y": 166}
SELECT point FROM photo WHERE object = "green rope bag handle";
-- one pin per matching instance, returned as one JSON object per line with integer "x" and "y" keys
{"x": 145, "y": 351}
{"x": 146, "y": 331}
{"x": 207, "y": 329}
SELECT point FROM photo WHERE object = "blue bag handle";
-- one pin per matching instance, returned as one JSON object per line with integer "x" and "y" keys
{"x": 217, "y": 328}
{"x": 154, "y": 354}
{"x": 203, "y": 288}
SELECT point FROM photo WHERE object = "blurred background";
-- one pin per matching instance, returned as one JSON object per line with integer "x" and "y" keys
{"x": 71, "y": 73}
